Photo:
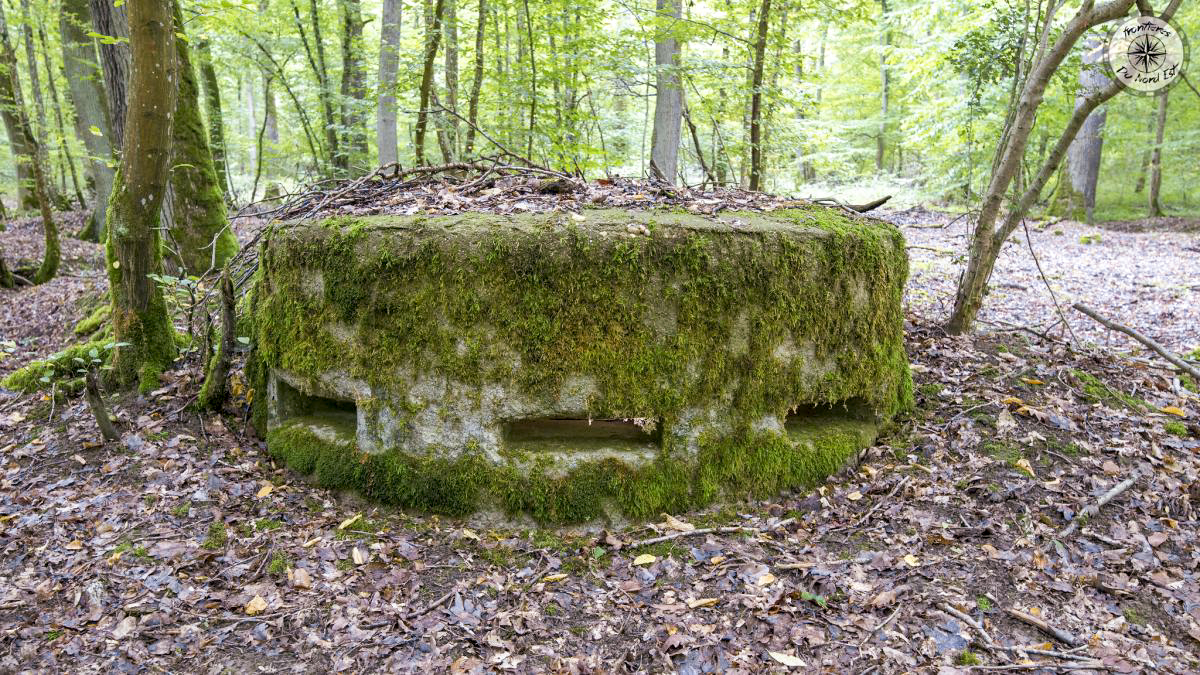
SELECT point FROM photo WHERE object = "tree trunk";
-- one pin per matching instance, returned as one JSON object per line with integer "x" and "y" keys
{"x": 760, "y": 46}
{"x": 139, "y": 314}
{"x": 477, "y": 82}
{"x": 354, "y": 81}
{"x": 884, "y": 86}
{"x": 433, "y": 34}
{"x": 317, "y": 62}
{"x": 532, "y": 79}
{"x": 1160, "y": 127}
{"x": 1076, "y": 197}
{"x": 389, "y": 63}
{"x": 39, "y": 106}
{"x": 668, "y": 98}
{"x": 212, "y": 106}
{"x": 986, "y": 240}
{"x": 14, "y": 107}
{"x": 199, "y": 224}
{"x": 110, "y": 20}
{"x": 85, "y": 86}
{"x": 450, "y": 21}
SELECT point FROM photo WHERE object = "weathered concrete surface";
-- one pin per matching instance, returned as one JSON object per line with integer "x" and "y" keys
{"x": 566, "y": 366}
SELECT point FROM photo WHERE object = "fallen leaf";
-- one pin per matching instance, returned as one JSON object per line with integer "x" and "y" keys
{"x": 1005, "y": 421}
{"x": 766, "y": 579}
{"x": 884, "y": 598}
{"x": 854, "y": 496}
{"x": 1030, "y": 380}
{"x": 1157, "y": 539}
{"x": 124, "y": 628}
{"x": 1173, "y": 410}
{"x": 469, "y": 534}
{"x": 912, "y": 560}
{"x": 551, "y": 578}
{"x": 1012, "y": 400}
{"x": 256, "y": 606}
{"x": 787, "y": 659}
{"x": 645, "y": 559}
{"x": 74, "y": 545}
{"x": 1024, "y": 465}
{"x": 349, "y": 521}
{"x": 678, "y": 525}
{"x": 265, "y": 490}
{"x": 301, "y": 578}
{"x": 360, "y": 556}
{"x": 701, "y": 602}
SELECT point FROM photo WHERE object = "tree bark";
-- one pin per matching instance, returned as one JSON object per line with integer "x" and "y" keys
{"x": 13, "y": 106}
{"x": 1076, "y": 198}
{"x": 139, "y": 314}
{"x": 110, "y": 20}
{"x": 85, "y": 86}
{"x": 215, "y": 389}
{"x": 316, "y": 61}
{"x": 756, "y": 132}
{"x": 533, "y": 98}
{"x": 433, "y": 34}
{"x": 477, "y": 82}
{"x": 39, "y": 106}
{"x": 199, "y": 225}
{"x": 389, "y": 63}
{"x": 212, "y": 106}
{"x": 668, "y": 97}
{"x": 354, "y": 87}
{"x": 63, "y": 146}
{"x": 884, "y": 86}
{"x": 450, "y": 21}
{"x": 1160, "y": 126}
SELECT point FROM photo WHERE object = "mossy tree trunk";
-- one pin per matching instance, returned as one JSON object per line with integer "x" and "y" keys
{"x": 139, "y": 314}
{"x": 85, "y": 87}
{"x": 212, "y": 106}
{"x": 14, "y": 112}
{"x": 199, "y": 226}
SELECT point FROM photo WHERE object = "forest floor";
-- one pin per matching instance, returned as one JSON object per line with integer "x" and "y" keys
{"x": 183, "y": 548}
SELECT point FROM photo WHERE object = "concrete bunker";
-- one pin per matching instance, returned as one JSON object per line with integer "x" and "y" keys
{"x": 575, "y": 367}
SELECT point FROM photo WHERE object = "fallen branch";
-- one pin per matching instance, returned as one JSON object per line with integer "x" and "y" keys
{"x": 1154, "y": 346}
{"x": 1057, "y": 633}
{"x": 729, "y": 529}
{"x": 96, "y": 402}
{"x": 1093, "y": 509}
{"x": 962, "y": 616}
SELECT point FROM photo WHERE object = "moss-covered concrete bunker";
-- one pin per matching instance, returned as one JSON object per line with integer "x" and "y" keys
{"x": 572, "y": 366}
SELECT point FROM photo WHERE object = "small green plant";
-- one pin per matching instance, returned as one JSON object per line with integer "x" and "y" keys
{"x": 1133, "y": 616}
{"x": 1176, "y": 428}
{"x": 53, "y": 635}
{"x": 1058, "y": 232}
{"x": 217, "y": 536}
{"x": 267, "y": 524}
{"x": 1089, "y": 239}
{"x": 1098, "y": 392}
{"x": 279, "y": 564}
{"x": 966, "y": 658}
{"x": 930, "y": 390}
{"x": 983, "y": 603}
{"x": 182, "y": 510}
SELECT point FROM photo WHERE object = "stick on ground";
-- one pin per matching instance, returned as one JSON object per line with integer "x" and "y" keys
{"x": 1154, "y": 346}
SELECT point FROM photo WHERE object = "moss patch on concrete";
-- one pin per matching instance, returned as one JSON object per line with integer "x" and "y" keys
{"x": 662, "y": 313}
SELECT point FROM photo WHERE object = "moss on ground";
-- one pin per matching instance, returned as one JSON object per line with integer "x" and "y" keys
{"x": 536, "y": 300}
{"x": 61, "y": 368}
{"x": 94, "y": 321}
{"x": 1099, "y": 392}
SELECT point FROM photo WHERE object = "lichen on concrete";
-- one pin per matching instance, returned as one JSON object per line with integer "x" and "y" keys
{"x": 395, "y": 355}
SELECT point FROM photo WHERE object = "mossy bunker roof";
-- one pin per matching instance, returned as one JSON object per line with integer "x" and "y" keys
{"x": 569, "y": 366}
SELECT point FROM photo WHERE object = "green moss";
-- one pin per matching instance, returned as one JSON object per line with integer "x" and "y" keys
{"x": 1177, "y": 428}
{"x": 967, "y": 658}
{"x": 1099, "y": 392}
{"x": 533, "y": 301}
{"x": 94, "y": 321}
{"x": 62, "y": 367}
{"x": 279, "y": 564}
{"x": 217, "y": 537}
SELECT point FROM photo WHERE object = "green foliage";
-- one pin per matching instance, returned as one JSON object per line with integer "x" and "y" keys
{"x": 94, "y": 321}
{"x": 1176, "y": 428}
{"x": 1099, "y": 392}
{"x": 217, "y": 537}
{"x": 64, "y": 369}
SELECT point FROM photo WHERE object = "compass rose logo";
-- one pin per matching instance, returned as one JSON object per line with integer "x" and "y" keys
{"x": 1146, "y": 55}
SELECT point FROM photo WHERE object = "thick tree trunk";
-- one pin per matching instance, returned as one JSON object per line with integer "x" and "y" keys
{"x": 477, "y": 82}
{"x": 1160, "y": 127}
{"x": 12, "y": 105}
{"x": 199, "y": 225}
{"x": 433, "y": 34}
{"x": 85, "y": 86}
{"x": 1076, "y": 197}
{"x": 139, "y": 314}
{"x": 212, "y": 106}
{"x": 353, "y": 83}
{"x": 389, "y": 63}
{"x": 756, "y": 85}
{"x": 110, "y": 20}
{"x": 668, "y": 99}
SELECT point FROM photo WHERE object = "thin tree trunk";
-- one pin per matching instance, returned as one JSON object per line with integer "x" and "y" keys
{"x": 212, "y": 106}
{"x": 354, "y": 81}
{"x": 477, "y": 83}
{"x": 389, "y": 63}
{"x": 668, "y": 99}
{"x": 760, "y": 45}
{"x": 63, "y": 146}
{"x": 317, "y": 63}
{"x": 1160, "y": 127}
{"x": 433, "y": 34}
{"x": 1076, "y": 198}
{"x": 532, "y": 79}
{"x": 39, "y": 106}
{"x": 450, "y": 21}
{"x": 139, "y": 315}
{"x": 884, "y": 86}
{"x": 11, "y": 103}
{"x": 199, "y": 225}
{"x": 85, "y": 86}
